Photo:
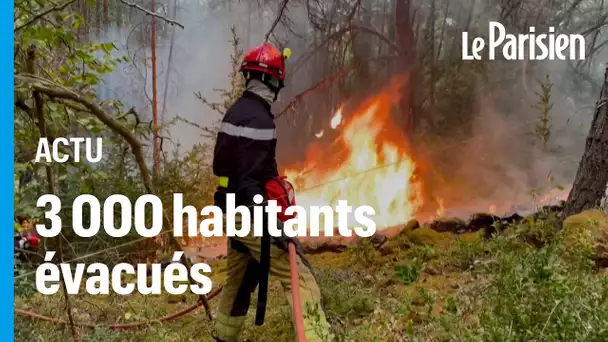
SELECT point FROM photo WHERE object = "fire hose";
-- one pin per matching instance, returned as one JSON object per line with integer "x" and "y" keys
{"x": 122, "y": 326}
{"x": 203, "y": 300}
{"x": 297, "y": 309}
{"x": 295, "y": 293}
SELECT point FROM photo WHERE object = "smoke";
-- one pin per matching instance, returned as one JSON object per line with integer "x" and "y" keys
{"x": 503, "y": 164}
{"x": 200, "y": 62}
{"x": 499, "y": 161}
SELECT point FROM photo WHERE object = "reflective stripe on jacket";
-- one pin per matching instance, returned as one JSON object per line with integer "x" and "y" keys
{"x": 245, "y": 150}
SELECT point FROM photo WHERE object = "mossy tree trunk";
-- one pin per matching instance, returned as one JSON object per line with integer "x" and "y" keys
{"x": 592, "y": 176}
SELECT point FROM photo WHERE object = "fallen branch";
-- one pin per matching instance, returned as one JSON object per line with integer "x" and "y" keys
{"x": 54, "y": 90}
{"x": 136, "y": 6}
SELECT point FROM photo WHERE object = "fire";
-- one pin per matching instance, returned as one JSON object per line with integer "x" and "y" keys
{"x": 336, "y": 120}
{"x": 441, "y": 208}
{"x": 368, "y": 164}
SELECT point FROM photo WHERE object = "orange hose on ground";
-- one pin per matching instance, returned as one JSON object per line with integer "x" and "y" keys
{"x": 295, "y": 294}
{"x": 121, "y": 326}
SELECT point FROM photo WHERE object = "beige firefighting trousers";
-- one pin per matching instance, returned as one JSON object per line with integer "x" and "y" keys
{"x": 241, "y": 281}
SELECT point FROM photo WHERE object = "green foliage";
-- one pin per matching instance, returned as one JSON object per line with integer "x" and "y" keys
{"x": 363, "y": 254}
{"x": 50, "y": 48}
{"x": 475, "y": 290}
{"x": 536, "y": 231}
{"x": 464, "y": 255}
{"x": 345, "y": 294}
{"x": 535, "y": 295}
{"x": 528, "y": 283}
{"x": 189, "y": 175}
{"x": 25, "y": 280}
{"x": 313, "y": 314}
{"x": 409, "y": 273}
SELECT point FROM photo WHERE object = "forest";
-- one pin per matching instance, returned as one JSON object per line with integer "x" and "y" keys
{"x": 489, "y": 177}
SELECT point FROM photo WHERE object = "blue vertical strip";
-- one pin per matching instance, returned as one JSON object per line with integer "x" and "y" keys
{"x": 7, "y": 291}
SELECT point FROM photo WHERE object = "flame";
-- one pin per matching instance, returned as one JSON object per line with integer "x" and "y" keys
{"x": 371, "y": 167}
{"x": 441, "y": 208}
{"x": 336, "y": 120}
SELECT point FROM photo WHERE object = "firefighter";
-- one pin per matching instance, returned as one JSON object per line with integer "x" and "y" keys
{"x": 244, "y": 162}
{"x": 25, "y": 238}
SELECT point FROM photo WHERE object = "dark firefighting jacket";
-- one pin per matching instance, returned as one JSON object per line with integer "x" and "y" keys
{"x": 244, "y": 156}
{"x": 244, "y": 160}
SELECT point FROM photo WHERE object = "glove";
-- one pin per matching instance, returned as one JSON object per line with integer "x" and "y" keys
{"x": 283, "y": 243}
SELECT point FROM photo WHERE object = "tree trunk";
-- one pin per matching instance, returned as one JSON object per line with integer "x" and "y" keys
{"x": 592, "y": 176}
{"x": 105, "y": 14}
{"x": 407, "y": 42}
{"x": 362, "y": 43}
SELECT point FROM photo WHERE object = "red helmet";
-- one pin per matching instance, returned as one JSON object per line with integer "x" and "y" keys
{"x": 267, "y": 59}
